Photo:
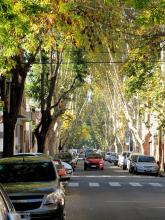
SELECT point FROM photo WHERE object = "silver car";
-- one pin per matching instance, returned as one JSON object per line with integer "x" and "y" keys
{"x": 144, "y": 164}
{"x": 132, "y": 157}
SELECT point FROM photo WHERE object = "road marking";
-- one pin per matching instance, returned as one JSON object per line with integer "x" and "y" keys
{"x": 155, "y": 184}
{"x": 114, "y": 184}
{"x": 73, "y": 184}
{"x": 135, "y": 184}
{"x": 94, "y": 184}
{"x": 113, "y": 176}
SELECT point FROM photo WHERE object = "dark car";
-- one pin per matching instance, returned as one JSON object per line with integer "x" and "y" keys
{"x": 7, "y": 210}
{"x": 94, "y": 161}
{"x": 33, "y": 186}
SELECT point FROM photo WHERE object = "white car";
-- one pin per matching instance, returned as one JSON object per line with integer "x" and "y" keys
{"x": 122, "y": 160}
{"x": 144, "y": 164}
{"x": 68, "y": 168}
{"x": 131, "y": 157}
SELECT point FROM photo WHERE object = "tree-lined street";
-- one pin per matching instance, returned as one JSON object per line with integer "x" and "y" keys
{"x": 78, "y": 76}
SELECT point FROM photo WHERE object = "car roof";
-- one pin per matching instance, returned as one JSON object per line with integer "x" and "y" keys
{"x": 29, "y": 159}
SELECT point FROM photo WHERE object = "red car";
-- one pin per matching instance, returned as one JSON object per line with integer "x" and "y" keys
{"x": 94, "y": 161}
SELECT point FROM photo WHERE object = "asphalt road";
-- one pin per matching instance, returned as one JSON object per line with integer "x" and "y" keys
{"x": 114, "y": 194}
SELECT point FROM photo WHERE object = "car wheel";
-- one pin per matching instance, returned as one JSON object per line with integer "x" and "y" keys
{"x": 156, "y": 174}
{"x": 85, "y": 167}
{"x": 135, "y": 170}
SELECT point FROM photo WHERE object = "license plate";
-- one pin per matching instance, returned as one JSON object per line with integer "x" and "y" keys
{"x": 25, "y": 216}
{"x": 147, "y": 170}
{"x": 93, "y": 165}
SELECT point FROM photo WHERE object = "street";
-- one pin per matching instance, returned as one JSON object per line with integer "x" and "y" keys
{"x": 114, "y": 194}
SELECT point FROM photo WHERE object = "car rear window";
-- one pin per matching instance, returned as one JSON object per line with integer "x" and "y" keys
{"x": 27, "y": 172}
{"x": 146, "y": 159}
{"x": 94, "y": 156}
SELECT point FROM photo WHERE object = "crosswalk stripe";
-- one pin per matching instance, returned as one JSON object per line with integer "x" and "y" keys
{"x": 156, "y": 184}
{"x": 135, "y": 184}
{"x": 73, "y": 184}
{"x": 94, "y": 184}
{"x": 114, "y": 184}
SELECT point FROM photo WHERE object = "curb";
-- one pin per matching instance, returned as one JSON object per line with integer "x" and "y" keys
{"x": 162, "y": 174}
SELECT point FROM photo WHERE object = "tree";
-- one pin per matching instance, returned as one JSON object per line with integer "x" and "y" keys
{"x": 28, "y": 27}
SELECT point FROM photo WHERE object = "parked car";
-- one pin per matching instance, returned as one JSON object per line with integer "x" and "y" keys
{"x": 7, "y": 210}
{"x": 33, "y": 185}
{"x": 68, "y": 168}
{"x": 61, "y": 169}
{"x": 144, "y": 164}
{"x": 132, "y": 157}
{"x": 122, "y": 159}
{"x": 67, "y": 157}
{"x": 112, "y": 157}
{"x": 94, "y": 161}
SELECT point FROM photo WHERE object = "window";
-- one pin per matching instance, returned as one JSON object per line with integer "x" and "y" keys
{"x": 146, "y": 159}
{"x": 27, "y": 172}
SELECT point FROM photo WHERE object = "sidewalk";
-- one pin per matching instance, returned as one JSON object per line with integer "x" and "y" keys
{"x": 162, "y": 174}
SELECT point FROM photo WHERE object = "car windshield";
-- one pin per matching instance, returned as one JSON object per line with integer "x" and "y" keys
{"x": 146, "y": 159}
{"x": 27, "y": 172}
{"x": 94, "y": 156}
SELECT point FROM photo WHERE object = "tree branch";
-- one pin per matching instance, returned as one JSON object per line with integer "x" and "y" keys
{"x": 72, "y": 87}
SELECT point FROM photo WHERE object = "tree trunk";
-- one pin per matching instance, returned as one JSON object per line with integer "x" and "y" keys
{"x": 41, "y": 131}
{"x": 8, "y": 137}
{"x": 161, "y": 150}
{"x": 12, "y": 97}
